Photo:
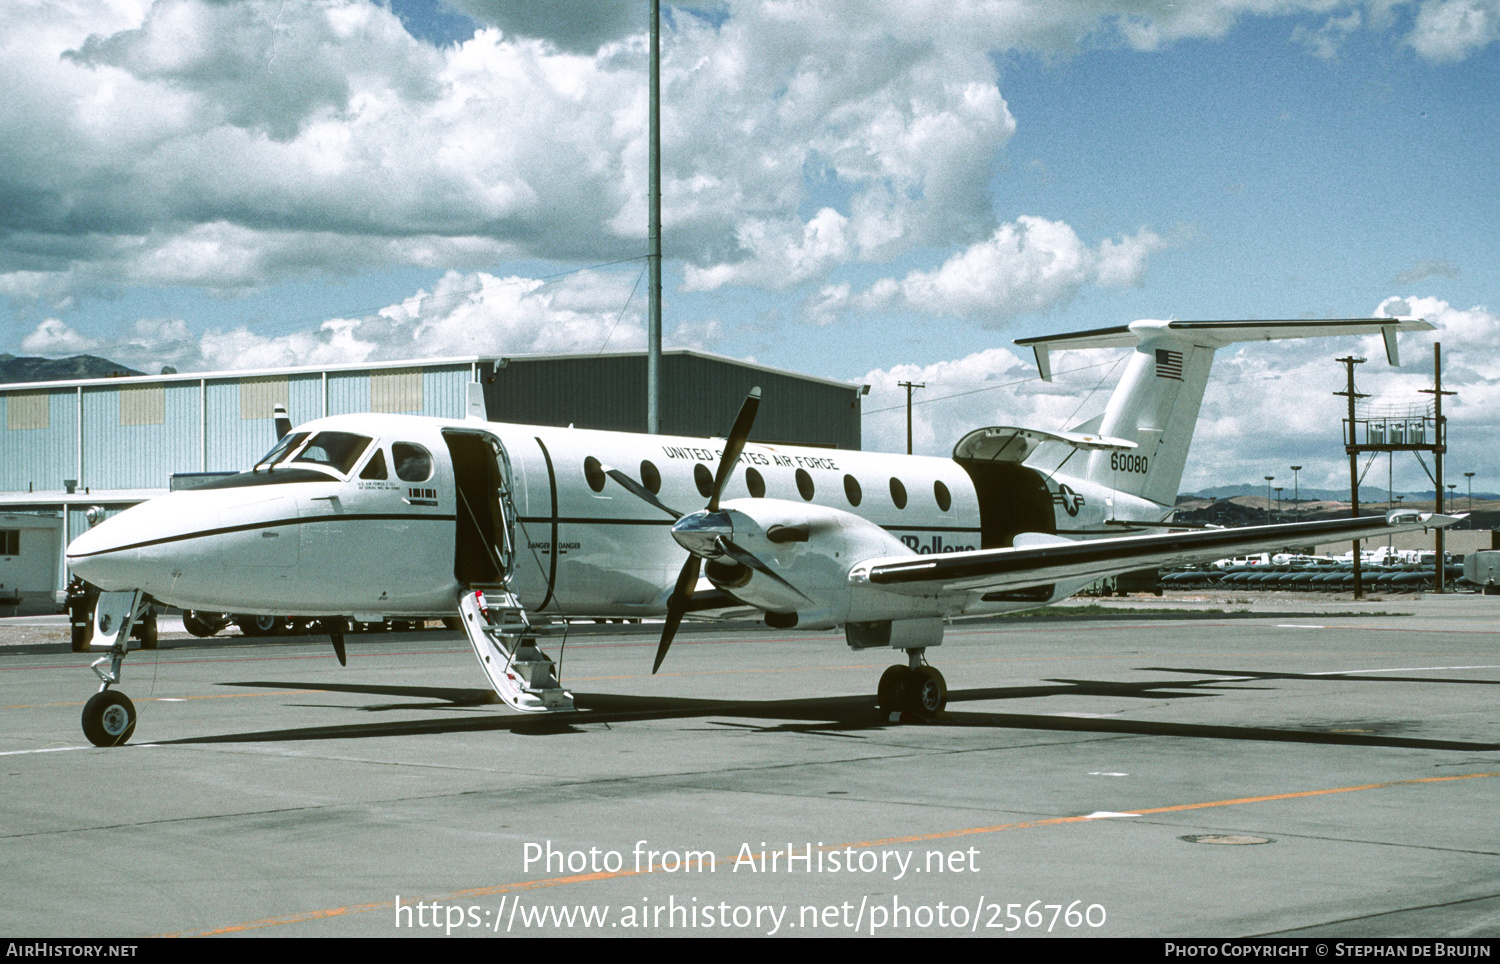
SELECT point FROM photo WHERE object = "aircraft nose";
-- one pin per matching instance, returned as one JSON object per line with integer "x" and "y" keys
{"x": 110, "y": 556}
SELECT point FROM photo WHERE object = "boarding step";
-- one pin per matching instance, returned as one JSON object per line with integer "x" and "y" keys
{"x": 504, "y": 641}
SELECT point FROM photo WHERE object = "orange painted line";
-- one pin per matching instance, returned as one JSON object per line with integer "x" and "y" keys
{"x": 861, "y": 845}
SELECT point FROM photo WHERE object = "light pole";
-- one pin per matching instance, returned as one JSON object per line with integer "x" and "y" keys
{"x": 1470, "y": 477}
{"x": 1269, "y": 480}
{"x": 1278, "y": 500}
{"x": 1296, "y": 492}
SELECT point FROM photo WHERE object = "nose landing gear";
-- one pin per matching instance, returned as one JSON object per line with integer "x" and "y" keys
{"x": 916, "y": 689}
{"x": 109, "y": 716}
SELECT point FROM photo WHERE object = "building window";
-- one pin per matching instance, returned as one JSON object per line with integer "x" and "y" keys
{"x": 28, "y": 410}
{"x": 10, "y": 542}
{"x": 143, "y": 405}
{"x": 396, "y": 391}
{"x": 260, "y": 396}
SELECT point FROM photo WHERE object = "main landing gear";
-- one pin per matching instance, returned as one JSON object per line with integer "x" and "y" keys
{"x": 109, "y": 716}
{"x": 916, "y": 688}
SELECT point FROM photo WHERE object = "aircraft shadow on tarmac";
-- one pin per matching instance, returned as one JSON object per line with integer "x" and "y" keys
{"x": 849, "y": 716}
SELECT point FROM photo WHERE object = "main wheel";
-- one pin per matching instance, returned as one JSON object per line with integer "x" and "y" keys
{"x": 928, "y": 693}
{"x": 259, "y": 625}
{"x": 896, "y": 683}
{"x": 108, "y": 718}
{"x": 202, "y": 624}
{"x": 146, "y": 631}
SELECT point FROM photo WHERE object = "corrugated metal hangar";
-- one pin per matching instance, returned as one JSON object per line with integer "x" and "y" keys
{"x": 114, "y": 442}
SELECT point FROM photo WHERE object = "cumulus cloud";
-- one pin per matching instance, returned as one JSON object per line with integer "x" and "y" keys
{"x": 236, "y": 146}
{"x": 463, "y": 314}
{"x": 1030, "y": 265}
{"x": 1451, "y": 30}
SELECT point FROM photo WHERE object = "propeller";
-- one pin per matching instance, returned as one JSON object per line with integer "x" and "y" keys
{"x": 706, "y": 533}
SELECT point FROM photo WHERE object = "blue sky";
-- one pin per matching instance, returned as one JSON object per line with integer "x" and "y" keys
{"x": 866, "y": 191}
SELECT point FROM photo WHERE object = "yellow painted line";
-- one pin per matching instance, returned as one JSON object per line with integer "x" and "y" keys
{"x": 311, "y": 915}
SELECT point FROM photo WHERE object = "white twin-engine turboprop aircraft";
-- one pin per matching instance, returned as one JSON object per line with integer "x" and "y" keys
{"x": 513, "y": 528}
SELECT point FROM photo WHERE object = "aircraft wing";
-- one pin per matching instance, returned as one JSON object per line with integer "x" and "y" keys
{"x": 986, "y": 570}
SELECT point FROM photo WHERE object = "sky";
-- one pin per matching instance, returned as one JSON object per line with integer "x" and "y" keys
{"x": 868, "y": 191}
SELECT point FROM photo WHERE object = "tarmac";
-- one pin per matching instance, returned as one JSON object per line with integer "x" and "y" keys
{"x": 1195, "y": 766}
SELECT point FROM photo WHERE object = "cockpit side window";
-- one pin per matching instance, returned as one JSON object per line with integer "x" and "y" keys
{"x": 375, "y": 468}
{"x": 413, "y": 462}
{"x": 281, "y": 449}
{"x": 337, "y": 450}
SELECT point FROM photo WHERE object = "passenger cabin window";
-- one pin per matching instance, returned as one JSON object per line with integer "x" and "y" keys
{"x": 943, "y": 496}
{"x": 281, "y": 449}
{"x": 337, "y": 450}
{"x": 851, "y": 490}
{"x": 704, "y": 479}
{"x": 805, "y": 485}
{"x": 375, "y": 468}
{"x": 898, "y": 493}
{"x": 755, "y": 484}
{"x": 593, "y": 473}
{"x": 413, "y": 462}
{"x": 651, "y": 477}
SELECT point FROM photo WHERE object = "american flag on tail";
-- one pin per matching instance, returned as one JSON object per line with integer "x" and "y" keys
{"x": 1168, "y": 364}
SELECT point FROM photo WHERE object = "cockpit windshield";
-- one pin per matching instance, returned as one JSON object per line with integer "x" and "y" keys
{"x": 281, "y": 450}
{"x": 337, "y": 450}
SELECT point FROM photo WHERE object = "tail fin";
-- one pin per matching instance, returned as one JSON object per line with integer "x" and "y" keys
{"x": 1156, "y": 403}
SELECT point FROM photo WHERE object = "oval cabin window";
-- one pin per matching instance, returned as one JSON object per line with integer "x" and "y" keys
{"x": 651, "y": 477}
{"x": 851, "y": 490}
{"x": 943, "y": 496}
{"x": 594, "y": 473}
{"x": 755, "y": 484}
{"x": 704, "y": 479}
{"x": 898, "y": 493}
{"x": 805, "y": 485}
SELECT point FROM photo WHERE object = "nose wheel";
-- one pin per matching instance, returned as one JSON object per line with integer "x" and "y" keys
{"x": 108, "y": 718}
{"x": 918, "y": 690}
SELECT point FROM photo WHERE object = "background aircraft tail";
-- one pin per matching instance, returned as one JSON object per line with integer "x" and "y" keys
{"x": 1156, "y": 403}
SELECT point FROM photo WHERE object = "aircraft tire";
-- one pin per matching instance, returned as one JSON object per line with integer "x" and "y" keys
{"x": 108, "y": 718}
{"x": 147, "y": 632}
{"x": 896, "y": 683}
{"x": 928, "y": 693}
{"x": 203, "y": 625}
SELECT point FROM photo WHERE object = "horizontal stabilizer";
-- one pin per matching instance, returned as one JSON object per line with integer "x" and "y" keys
{"x": 1005, "y": 443}
{"x": 1217, "y": 334}
{"x": 1013, "y": 568}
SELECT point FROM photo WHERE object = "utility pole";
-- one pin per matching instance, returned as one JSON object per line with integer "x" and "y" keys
{"x": 1349, "y": 442}
{"x": 1440, "y": 446}
{"x": 653, "y": 250}
{"x": 909, "y": 386}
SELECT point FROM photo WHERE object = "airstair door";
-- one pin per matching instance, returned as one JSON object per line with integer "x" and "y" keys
{"x": 483, "y": 546}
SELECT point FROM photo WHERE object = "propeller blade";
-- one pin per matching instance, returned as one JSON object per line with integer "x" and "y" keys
{"x": 735, "y": 444}
{"x": 738, "y": 554}
{"x": 640, "y": 491}
{"x": 676, "y": 606}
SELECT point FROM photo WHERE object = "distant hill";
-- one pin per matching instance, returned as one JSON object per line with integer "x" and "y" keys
{"x": 15, "y": 369}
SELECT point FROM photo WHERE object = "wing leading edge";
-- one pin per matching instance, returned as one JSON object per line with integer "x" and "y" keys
{"x": 985, "y": 570}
